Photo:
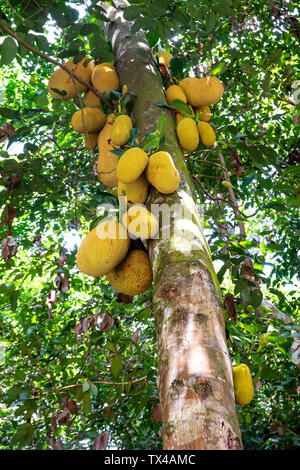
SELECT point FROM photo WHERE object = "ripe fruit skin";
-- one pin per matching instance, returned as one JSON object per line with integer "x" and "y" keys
{"x": 203, "y": 113}
{"x": 139, "y": 222}
{"x": 105, "y": 78}
{"x": 93, "y": 120}
{"x": 164, "y": 57}
{"x": 162, "y": 174}
{"x": 98, "y": 255}
{"x": 92, "y": 100}
{"x": 91, "y": 143}
{"x": 62, "y": 81}
{"x": 243, "y": 385}
{"x": 174, "y": 92}
{"x": 207, "y": 134}
{"x": 202, "y": 91}
{"x": 120, "y": 132}
{"x": 187, "y": 134}
{"x": 107, "y": 161}
{"x": 133, "y": 275}
{"x": 136, "y": 192}
{"x": 131, "y": 165}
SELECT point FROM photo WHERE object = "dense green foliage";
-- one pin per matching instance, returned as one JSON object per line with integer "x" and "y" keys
{"x": 63, "y": 333}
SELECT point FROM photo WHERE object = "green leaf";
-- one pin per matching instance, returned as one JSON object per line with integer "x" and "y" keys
{"x": 9, "y": 113}
{"x": 152, "y": 142}
{"x": 8, "y": 50}
{"x": 94, "y": 390}
{"x": 256, "y": 298}
{"x": 137, "y": 25}
{"x": 219, "y": 69}
{"x": 24, "y": 435}
{"x": 116, "y": 365}
{"x": 181, "y": 106}
{"x": 42, "y": 43}
{"x": 134, "y": 133}
{"x": 85, "y": 386}
{"x": 14, "y": 300}
{"x": 157, "y": 9}
{"x": 161, "y": 124}
{"x": 86, "y": 403}
{"x": 210, "y": 22}
{"x": 131, "y": 13}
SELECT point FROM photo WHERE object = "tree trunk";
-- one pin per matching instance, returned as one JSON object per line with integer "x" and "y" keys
{"x": 194, "y": 374}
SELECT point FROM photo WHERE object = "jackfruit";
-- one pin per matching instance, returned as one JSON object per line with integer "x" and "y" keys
{"x": 88, "y": 120}
{"x": 107, "y": 161}
{"x": 164, "y": 57}
{"x": 131, "y": 165}
{"x": 92, "y": 100}
{"x": 203, "y": 113}
{"x": 140, "y": 222}
{"x": 90, "y": 142}
{"x": 135, "y": 192}
{"x": 243, "y": 385}
{"x": 103, "y": 248}
{"x": 202, "y": 91}
{"x": 133, "y": 275}
{"x": 207, "y": 134}
{"x": 187, "y": 134}
{"x": 161, "y": 173}
{"x": 120, "y": 132}
{"x": 61, "y": 85}
{"x": 105, "y": 78}
{"x": 174, "y": 92}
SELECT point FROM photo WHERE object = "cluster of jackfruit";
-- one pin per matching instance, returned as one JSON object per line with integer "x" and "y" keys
{"x": 90, "y": 119}
{"x": 106, "y": 250}
{"x": 126, "y": 268}
{"x": 199, "y": 94}
{"x": 243, "y": 384}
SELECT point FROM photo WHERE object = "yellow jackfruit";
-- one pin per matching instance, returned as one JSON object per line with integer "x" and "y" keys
{"x": 187, "y": 134}
{"x": 92, "y": 100}
{"x": 90, "y": 141}
{"x": 131, "y": 165}
{"x": 243, "y": 385}
{"x": 120, "y": 132}
{"x": 103, "y": 248}
{"x": 202, "y": 91}
{"x": 61, "y": 85}
{"x": 161, "y": 173}
{"x": 105, "y": 78}
{"x": 207, "y": 134}
{"x": 133, "y": 275}
{"x": 107, "y": 161}
{"x": 88, "y": 120}
{"x": 164, "y": 57}
{"x": 135, "y": 192}
{"x": 140, "y": 222}
{"x": 174, "y": 92}
{"x": 203, "y": 113}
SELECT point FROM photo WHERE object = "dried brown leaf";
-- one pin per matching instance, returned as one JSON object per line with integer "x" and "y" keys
{"x": 9, "y": 129}
{"x": 230, "y": 307}
{"x": 9, "y": 248}
{"x": 123, "y": 298}
{"x": 156, "y": 413}
{"x": 136, "y": 335}
{"x": 101, "y": 441}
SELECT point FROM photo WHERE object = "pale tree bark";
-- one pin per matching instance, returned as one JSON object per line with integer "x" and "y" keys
{"x": 194, "y": 374}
